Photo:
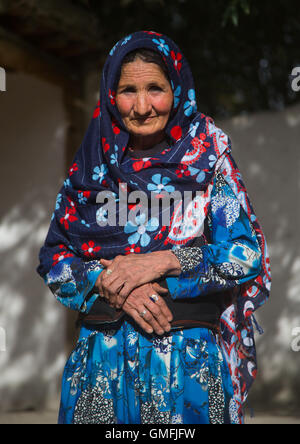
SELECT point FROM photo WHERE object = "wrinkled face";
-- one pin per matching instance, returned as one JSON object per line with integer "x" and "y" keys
{"x": 144, "y": 98}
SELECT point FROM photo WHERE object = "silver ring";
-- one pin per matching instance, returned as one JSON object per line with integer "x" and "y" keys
{"x": 143, "y": 313}
{"x": 154, "y": 298}
{"x": 108, "y": 271}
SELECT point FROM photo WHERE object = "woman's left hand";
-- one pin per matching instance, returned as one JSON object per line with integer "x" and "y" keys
{"x": 125, "y": 273}
{"x": 150, "y": 314}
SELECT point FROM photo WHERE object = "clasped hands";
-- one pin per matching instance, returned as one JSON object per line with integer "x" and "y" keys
{"x": 130, "y": 285}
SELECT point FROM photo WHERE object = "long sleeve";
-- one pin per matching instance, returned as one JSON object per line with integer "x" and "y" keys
{"x": 233, "y": 256}
{"x": 72, "y": 282}
{"x": 69, "y": 273}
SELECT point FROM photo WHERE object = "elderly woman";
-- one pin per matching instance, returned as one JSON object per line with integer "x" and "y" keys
{"x": 166, "y": 309}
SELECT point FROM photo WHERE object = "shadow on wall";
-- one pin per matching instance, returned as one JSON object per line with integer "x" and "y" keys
{"x": 266, "y": 148}
{"x": 32, "y": 168}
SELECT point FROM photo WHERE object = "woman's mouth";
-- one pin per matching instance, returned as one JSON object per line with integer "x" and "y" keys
{"x": 145, "y": 119}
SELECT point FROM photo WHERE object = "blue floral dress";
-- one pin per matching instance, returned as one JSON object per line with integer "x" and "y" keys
{"x": 124, "y": 376}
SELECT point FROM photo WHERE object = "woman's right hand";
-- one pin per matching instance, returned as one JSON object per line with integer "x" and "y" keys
{"x": 157, "y": 315}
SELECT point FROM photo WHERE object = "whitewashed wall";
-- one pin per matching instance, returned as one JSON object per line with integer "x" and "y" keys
{"x": 32, "y": 143}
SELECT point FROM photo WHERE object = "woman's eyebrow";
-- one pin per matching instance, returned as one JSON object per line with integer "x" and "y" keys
{"x": 122, "y": 84}
{"x": 125, "y": 85}
{"x": 132, "y": 85}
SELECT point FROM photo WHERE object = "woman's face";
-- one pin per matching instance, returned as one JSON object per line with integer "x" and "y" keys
{"x": 144, "y": 99}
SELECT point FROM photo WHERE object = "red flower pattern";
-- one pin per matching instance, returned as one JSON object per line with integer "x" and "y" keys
{"x": 160, "y": 234}
{"x": 115, "y": 128}
{"x": 132, "y": 249}
{"x": 112, "y": 97}
{"x": 68, "y": 217}
{"x": 141, "y": 164}
{"x": 89, "y": 249}
{"x": 183, "y": 171}
{"x": 97, "y": 110}
{"x": 72, "y": 204}
{"x": 62, "y": 255}
{"x": 85, "y": 194}
{"x": 200, "y": 144}
{"x": 153, "y": 33}
{"x": 73, "y": 168}
{"x": 177, "y": 60}
{"x": 105, "y": 144}
{"x": 203, "y": 137}
{"x": 176, "y": 132}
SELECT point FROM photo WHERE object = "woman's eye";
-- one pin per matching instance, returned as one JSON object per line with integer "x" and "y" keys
{"x": 128, "y": 90}
{"x": 155, "y": 88}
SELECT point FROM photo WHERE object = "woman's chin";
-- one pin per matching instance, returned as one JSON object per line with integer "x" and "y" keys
{"x": 144, "y": 130}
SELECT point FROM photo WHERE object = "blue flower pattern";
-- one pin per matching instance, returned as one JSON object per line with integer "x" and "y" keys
{"x": 162, "y": 46}
{"x": 114, "y": 156}
{"x": 126, "y": 40}
{"x": 101, "y": 215}
{"x": 82, "y": 199}
{"x": 140, "y": 228}
{"x": 85, "y": 223}
{"x": 99, "y": 173}
{"x": 176, "y": 93}
{"x": 190, "y": 105}
{"x": 58, "y": 201}
{"x": 160, "y": 184}
{"x": 195, "y": 171}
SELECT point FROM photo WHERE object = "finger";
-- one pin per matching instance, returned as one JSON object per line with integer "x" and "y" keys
{"x": 119, "y": 302}
{"x": 103, "y": 289}
{"x": 126, "y": 290}
{"x": 165, "y": 309}
{"x": 116, "y": 286}
{"x": 99, "y": 285}
{"x": 106, "y": 262}
{"x": 154, "y": 317}
{"x": 159, "y": 289}
{"x": 138, "y": 319}
{"x": 148, "y": 317}
{"x": 162, "y": 304}
{"x": 107, "y": 284}
{"x": 111, "y": 289}
{"x": 158, "y": 314}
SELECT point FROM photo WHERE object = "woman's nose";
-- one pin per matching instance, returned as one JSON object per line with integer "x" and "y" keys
{"x": 142, "y": 105}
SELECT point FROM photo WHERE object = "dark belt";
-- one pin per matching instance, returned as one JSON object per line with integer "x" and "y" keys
{"x": 94, "y": 322}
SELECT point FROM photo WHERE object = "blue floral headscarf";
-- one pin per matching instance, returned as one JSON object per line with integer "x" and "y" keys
{"x": 102, "y": 163}
{"x": 189, "y": 163}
